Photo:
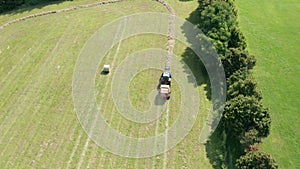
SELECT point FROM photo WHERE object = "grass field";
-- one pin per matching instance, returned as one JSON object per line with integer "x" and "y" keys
{"x": 272, "y": 30}
{"x": 38, "y": 124}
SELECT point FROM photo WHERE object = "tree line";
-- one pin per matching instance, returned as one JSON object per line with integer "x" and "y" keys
{"x": 7, "y": 5}
{"x": 245, "y": 120}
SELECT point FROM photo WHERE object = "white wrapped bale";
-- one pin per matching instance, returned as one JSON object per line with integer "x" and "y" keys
{"x": 106, "y": 69}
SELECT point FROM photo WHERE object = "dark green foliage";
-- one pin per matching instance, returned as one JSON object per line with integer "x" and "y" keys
{"x": 236, "y": 59}
{"x": 216, "y": 16}
{"x": 204, "y": 3}
{"x": 217, "y": 20}
{"x": 256, "y": 160}
{"x": 7, "y": 5}
{"x": 35, "y": 2}
{"x": 245, "y": 119}
{"x": 240, "y": 83}
{"x": 250, "y": 138}
{"x": 215, "y": 148}
{"x": 244, "y": 113}
{"x": 10, "y": 4}
{"x": 237, "y": 39}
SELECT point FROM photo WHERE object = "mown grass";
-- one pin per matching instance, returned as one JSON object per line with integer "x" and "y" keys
{"x": 29, "y": 10}
{"x": 188, "y": 153}
{"x": 272, "y": 32}
{"x": 38, "y": 125}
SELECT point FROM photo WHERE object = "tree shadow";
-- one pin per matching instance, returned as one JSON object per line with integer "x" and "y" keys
{"x": 31, "y": 5}
{"x": 193, "y": 61}
{"x": 216, "y": 150}
{"x": 206, "y": 63}
{"x": 206, "y": 68}
{"x": 222, "y": 150}
{"x": 198, "y": 70}
{"x": 233, "y": 149}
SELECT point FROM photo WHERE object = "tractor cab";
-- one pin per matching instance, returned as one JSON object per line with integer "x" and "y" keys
{"x": 166, "y": 78}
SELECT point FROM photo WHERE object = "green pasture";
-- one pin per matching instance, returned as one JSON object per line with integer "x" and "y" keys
{"x": 272, "y": 30}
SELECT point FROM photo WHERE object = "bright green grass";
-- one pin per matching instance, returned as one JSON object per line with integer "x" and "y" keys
{"x": 188, "y": 152}
{"x": 138, "y": 94}
{"x": 272, "y": 29}
{"x": 38, "y": 125}
{"x": 143, "y": 83}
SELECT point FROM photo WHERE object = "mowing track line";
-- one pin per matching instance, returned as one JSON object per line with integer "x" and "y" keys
{"x": 102, "y": 96}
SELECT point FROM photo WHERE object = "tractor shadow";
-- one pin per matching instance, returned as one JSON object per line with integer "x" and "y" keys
{"x": 159, "y": 101}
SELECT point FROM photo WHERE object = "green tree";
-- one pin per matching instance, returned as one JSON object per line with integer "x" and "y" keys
{"x": 243, "y": 113}
{"x": 250, "y": 138}
{"x": 255, "y": 160}
{"x": 237, "y": 39}
{"x": 217, "y": 18}
{"x": 204, "y": 3}
{"x": 241, "y": 83}
{"x": 236, "y": 59}
{"x": 10, "y": 4}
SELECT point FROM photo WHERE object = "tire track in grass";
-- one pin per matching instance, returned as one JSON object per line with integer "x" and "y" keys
{"x": 170, "y": 47}
{"x": 154, "y": 162}
{"x": 128, "y": 54}
{"x": 165, "y": 161}
{"x": 36, "y": 84}
{"x": 104, "y": 110}
{"x": 112, "y": 162}
{"x": 54, "y": 108}
{"x": 43, "y": 69}
{"x": 7, "y": 47}
{"x": 109, "y": 96}
{"x": 128, "y": 49}
{"x": 63, "y": 37}
{"x": 95, "y": 151}
{"x": 91, "y": 160}
{"x": 103, "y": 94}
{"x": 20, "y": 99}
{"x": 19, "y": 64}
{"x": 65, "y": 119}
{"x": 119, "y": 124}
{"x": 114, "y": 108}
{"x": 88, "y": 139}
{"x": 20, "y": 36}
{"x": 75, "y": 148}
{"x": 77, "y": 142}
{"x": 6, "y": 83}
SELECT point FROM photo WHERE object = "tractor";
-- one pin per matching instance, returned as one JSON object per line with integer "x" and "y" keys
{"x": 165, "y": 85}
